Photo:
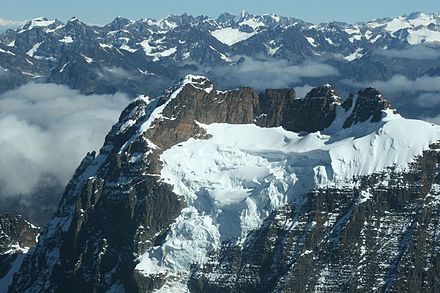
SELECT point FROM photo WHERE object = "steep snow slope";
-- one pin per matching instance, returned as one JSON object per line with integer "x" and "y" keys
{"x": 235, "y": 179}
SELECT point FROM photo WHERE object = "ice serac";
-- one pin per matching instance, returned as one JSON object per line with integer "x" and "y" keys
{"x": 211, "y": 191}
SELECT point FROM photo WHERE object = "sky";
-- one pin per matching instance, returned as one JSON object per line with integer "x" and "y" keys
{"x": 103, "y": 11}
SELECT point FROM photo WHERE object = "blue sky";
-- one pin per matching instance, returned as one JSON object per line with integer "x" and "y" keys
{"x": 103, "y": 11}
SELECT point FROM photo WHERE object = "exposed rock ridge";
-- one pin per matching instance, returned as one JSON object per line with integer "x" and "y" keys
{"x": 16, "y": 232}
{"x": 369, "y": 105}
{"x": 17, "y": 235}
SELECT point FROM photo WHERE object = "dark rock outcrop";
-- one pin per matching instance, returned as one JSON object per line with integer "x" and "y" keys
{"x": 16, "y": 236}
{"x": 16, "y": 231}
{"x": 369, "y": 105}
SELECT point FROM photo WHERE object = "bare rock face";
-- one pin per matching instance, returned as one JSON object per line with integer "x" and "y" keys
{"x": 273, "y": 105}
{"x": 116, "y": 207}
{"x": 195, "y": 105}
{"x": 16, "y": 232}
{"x": 16, "y": 237}
{"x": 369, "y": 105}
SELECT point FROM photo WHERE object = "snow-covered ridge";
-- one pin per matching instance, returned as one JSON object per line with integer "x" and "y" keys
{"x": 236, "y": 178}
{"x": 230, "y": 29}
{"x": 214, "y": 41}
{"x": 419, "y": 27}
{"x": 37, "y": 22}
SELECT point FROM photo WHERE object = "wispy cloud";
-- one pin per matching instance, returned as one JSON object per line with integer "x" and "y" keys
{"x": 114, "y": 74}
{"x": 302, "y": 91}
{"x": 428, "y": 100}
{"x": 400, "y": 83}
{"x": 11, "y": 23}
{"x": 267, "y": 73}
{"x": 418, "y": 52}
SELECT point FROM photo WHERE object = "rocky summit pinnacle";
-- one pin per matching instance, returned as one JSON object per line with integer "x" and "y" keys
{"x": 370, "y": 104}
{"x": 204, "y": 190}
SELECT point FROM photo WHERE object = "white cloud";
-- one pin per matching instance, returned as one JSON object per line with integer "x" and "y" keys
{"x": 46, "y": 129}
{"x": 418, "y": 52}
{"x": 400, "y": 83}
{"x": 114, "y": 74}
{"x": 302, "y": 91}
{"x": 11, "y": 23}
{"x": 267, "y": 73}
{"x": 428, "y": 100}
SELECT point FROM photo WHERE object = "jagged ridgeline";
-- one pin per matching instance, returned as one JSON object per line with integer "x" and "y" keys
{"x": 147, "y": 55}
{"x": 241, "y": 191}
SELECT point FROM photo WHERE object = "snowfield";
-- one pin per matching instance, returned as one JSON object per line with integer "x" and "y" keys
{"x": 231, "y": 36}
{"x": 235, "y": 179}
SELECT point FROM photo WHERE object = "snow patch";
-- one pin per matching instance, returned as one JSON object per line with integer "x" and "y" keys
{"x": 105, "y": 46}
{"x": 423, "y": 35}
{"x": 6, "y": 52}
{"x": 64, "y": 66}
{"x": 311, "y": 41}
{"x": 67, "y": 40}
{"x": 88, "y": 59}
{"x": 231, "y": 36}
{"x": 356, "y": 55}
{"x": 34, "y": 49}
{"x": 157, "y": 52}
{"x": 127, "y": 48}
{"x": 253, "y": 23}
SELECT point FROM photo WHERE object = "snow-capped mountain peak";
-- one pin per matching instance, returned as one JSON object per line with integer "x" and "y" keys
{"x": 197, "y": 170}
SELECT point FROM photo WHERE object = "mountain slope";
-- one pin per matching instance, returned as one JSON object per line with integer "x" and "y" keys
{"x": 236, "y": 191}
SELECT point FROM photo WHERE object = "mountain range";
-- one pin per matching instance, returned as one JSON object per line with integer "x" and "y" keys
{"x": 248, "y": 179}
{"x": 147, "y": 56}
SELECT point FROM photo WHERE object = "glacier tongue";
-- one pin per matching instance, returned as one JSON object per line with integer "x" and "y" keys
{"x": 235, "y": 179}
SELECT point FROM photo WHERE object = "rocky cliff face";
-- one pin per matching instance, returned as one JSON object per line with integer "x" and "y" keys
{"x": 123, "y": 224}
{"x": 16, "y": 237}
{"x": 16, "y": 232}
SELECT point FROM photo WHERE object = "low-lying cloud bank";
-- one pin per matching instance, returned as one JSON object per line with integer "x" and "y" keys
{"x": 417, "y": 52}
{"x": 264, "y": 73}
{"x": 45, "y": 131}
{"x": 400, "y": 83}
{"x": 11, "y": 23}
